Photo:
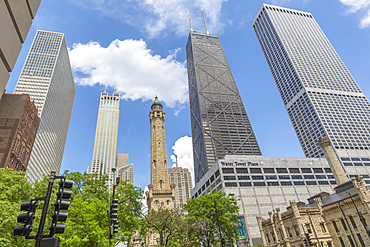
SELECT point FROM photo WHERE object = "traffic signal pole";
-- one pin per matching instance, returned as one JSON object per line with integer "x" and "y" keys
{"x": 45, "y": 209}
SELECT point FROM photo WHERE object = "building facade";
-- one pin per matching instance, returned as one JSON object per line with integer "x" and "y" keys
{"x": 180, "y": 177}
{"x": 219, "y": 122}
{"x": 106, "y": 135}
{"x": 47, "y": 78}
{"x": 261, "y": 184}
{"x": 161, "y": 194}
{"x": 340, "y": 219}
{"x": 18, "y": 127}
{"x": 126, "y": 173}
{"x": 15, "y": 22}
{"x": 319, "y": 93}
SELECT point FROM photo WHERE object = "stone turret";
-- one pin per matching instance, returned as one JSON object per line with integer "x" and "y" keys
{"x": 335, "y": 165}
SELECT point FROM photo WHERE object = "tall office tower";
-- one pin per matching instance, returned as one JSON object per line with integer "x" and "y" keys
{"x": 180, "y": 177}
{"x": 319, "y": 93}
{"x": 15, "y": 22}
{"x": 47, "y": 78}
{"x": 219, "y": 122}
{"x": 125, "y": 171}
{"x": 106, "y": 134}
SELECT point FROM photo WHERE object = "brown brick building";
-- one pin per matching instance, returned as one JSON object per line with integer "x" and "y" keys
{"x": 18, "y": 127}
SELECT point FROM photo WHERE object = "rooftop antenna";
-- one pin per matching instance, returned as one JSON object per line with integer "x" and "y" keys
{"x": 191, "y": 28}
{"x": 204, "y": 18}
{"x": 177, "y": 164}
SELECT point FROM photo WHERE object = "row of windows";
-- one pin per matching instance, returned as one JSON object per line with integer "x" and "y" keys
{"x": 276, "y": 170}
{"x": 275, "y": 177}
{"x": 281, "y": 183}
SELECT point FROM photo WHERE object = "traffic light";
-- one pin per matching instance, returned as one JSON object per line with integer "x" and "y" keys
{"x": 113, "y": 215}
{"x": 57, "y": 228}
{"x": 223, "y": 244}
{"x": 26, "y": 218}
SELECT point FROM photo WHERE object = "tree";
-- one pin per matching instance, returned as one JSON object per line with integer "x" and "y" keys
{"x": 170, "y": 226}
{"x": 202, "y": 210}
{"x": 87, "y": 223}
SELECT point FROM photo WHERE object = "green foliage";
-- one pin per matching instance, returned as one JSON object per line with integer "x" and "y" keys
{"x": 258, "y": 245}
{"x": 87, "y": 223}
{"x": 202, "y": 210}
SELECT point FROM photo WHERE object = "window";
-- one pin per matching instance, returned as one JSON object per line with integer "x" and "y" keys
{"x": 241, "y": 170}
{"x": 308, "y": 228}
{"x": 268, "y": 238}
{"x": 320, "y": 176}
{"x": 268, "y": 170}
{"x": 255, "y": 170}
{"x": 318, "y": 170}
{"x": 270, "y": 177}
{"x": 284, "y": 177}
{"x": 327, "y": 170}
{"x": 217, "y": 173}
{"x": 351, "y": 241}
{"x": 341, "y": 242}
{"x": 281, "y": 170}
{"x": 231, "y": 184}
{"x": 273, "y": 183}
{"x": 281, "y": 234}
{"x": 344, "y": 224}
{"x": 322, "y": 225}
{"x": 243, "y": 177}
{"x": 296, "y": 177}
{"x": 273, "y": 236}
{"x": 296, "y": 230}
{"x": 335, "y": 226}
{"x": 245, "y": 184}
{"x": 323, "y": 182}
{"x": 257, "y": 177}
{"x": 227, "y": 170}
{"x": 294, "y": 170}
{"x": 361, "y": 240}
{"x": 309, "y": 176}
{"x": 306, "y": 170}
{"x": 286, "y": 183}
{"x": 311, "y": 182}
{"x": 259, "y": 184}
{"x": 229, "y": 178}
{"x": 353, "y": 222}
{"x": 298, "y": 182}
{"x": 290, "y": 232}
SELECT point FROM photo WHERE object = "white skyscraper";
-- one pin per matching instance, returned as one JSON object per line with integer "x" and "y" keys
{"x": 106, "y": 134}
{"x": 47, "y": 77}
{"x": 319, "y": 93}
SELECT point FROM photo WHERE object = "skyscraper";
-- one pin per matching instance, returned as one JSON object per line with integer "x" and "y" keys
{"x": 319, "y": 93}
{"x": 47, "y": 78}
{"x": 106, "y": 134}
{"x": 124, "y": 170}
{"x": 219, "y": 122}
{"x": 180, "y": 177}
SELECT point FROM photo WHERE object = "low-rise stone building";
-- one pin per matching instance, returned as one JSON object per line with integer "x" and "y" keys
{"x": 340, "y": 219}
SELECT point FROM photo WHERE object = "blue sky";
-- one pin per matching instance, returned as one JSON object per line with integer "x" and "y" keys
{"x": 137, "y": 48}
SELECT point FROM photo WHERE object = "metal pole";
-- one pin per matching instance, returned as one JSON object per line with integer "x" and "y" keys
{"x": 362, "y": 218}
{"x": 45, "y": 209}
{"x": 353, "y": 236}
{"x": 218, "y": 222}
{"x": 314, "y": 231}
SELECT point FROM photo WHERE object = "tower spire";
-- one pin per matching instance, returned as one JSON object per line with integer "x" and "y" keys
{"x": 205, "y": 23}
{"x": 191, "y": 28}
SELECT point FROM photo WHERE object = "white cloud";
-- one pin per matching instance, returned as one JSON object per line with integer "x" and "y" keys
{"x": 131, "y": 69}
{"x": 157, "y": 17}
{"x": 361, "y": 6}
{"x": 183, "y": 148}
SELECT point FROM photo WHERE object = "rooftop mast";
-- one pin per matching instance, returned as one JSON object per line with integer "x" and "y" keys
{"x": 204, "y": 18}
{"x": 191, "y": 28}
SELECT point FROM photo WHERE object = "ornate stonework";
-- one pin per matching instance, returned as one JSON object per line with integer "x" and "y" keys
{"x": 161, "y": 194}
